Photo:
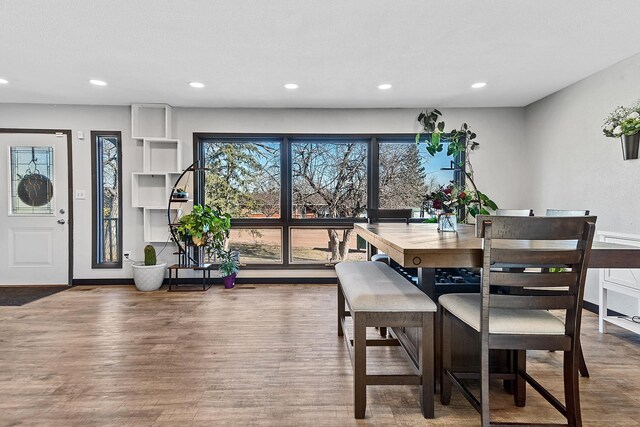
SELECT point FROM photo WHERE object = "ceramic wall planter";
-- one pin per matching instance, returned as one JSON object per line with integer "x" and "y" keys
{"x": 630, "y": 145}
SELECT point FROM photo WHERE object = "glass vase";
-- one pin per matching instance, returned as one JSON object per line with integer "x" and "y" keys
{"x": 448, "y": 222}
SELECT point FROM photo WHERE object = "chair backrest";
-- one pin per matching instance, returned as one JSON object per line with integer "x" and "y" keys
{"x": 514, "y": 212}
{"x": 375, "y": 215}
{"x": 536, "y": 244}
{"x": 564, "y": 212}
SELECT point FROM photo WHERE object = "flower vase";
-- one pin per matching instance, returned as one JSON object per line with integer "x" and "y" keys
{"x": 448, "y": 222}
{"x": 630, "y": 145}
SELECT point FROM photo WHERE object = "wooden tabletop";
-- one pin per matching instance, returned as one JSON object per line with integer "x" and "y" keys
{"x": 422, "y": 245}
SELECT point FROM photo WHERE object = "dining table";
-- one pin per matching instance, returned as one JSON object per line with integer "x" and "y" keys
{"x": 423, "y": 247}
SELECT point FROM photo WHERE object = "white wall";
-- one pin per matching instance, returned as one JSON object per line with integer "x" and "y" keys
{"x": 572, "y": 165}
{"x": 499, "y": 164}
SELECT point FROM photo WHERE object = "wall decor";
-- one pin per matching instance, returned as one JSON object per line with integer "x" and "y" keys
{"x": 31, "y": 176}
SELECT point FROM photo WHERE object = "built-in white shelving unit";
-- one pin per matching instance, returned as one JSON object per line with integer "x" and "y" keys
{"x": 150, "y": 121}
{"x": 161, "y": 167}
{"x": 623, "y": 281}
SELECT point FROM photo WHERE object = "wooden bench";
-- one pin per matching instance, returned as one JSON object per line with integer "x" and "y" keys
{"x": 376, "y": 295}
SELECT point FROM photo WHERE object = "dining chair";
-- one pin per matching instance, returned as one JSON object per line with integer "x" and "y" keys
{"x": 565, "y": 212}
{"x": 522, "y": 322}
{"x": 514, "y": 212}
{"x": 387, "y": 215}
{"x": 582, "y": 367}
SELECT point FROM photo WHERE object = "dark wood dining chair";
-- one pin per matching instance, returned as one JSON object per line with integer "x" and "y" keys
{"x": 518, "y": 322}
{"x": 514, "y": 212}
{"x": 582, "y": 367}
{"x": 566, "y": 212}
{"x": 386, "y": 215}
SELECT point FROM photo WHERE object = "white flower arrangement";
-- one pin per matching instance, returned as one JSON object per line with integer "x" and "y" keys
{"x": 622, "y": 121}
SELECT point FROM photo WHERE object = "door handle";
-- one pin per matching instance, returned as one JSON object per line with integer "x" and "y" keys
{"x": 61, "y": 221}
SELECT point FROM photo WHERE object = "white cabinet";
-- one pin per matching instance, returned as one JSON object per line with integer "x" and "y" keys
{"x": 623, "y": 281}
{"x": 161, "y": 166}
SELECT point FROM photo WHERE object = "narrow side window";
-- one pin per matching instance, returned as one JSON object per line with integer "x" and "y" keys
{"x": 106, "y": 177}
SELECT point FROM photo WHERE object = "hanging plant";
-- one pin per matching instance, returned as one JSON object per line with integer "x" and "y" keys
{"x": 458, "y": 141}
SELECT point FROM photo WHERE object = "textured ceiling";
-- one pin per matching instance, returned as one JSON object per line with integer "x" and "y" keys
{"x": 338, "y": 51}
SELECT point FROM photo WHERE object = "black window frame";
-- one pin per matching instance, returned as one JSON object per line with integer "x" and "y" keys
{"x": 97, "y": 225}
{"x": 286, "y": 220}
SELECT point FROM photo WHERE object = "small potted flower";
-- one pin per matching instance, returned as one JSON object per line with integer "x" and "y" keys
{"x": 180, "y": 193}
{"x": 624, "y": 123}
{"x": 229, "y": 267}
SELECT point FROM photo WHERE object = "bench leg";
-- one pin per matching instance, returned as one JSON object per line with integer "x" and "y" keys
{"x": 427, "y": 366}
{"x": 340, "y": 310}
{"x": 359, "y": 364}
{"x": 383, "y": 331}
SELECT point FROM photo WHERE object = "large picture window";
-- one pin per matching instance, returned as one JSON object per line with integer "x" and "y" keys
{"x": 106, "y": 173}
{"x": 294, "y": 198}
{"x": 243, "y": 177}
{"x": 407, "y": 173}
{"x": 329, "y": 179}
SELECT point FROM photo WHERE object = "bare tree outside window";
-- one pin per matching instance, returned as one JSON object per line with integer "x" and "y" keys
{"x": 330, "y": 181}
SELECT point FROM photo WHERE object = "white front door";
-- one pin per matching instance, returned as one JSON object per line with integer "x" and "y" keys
{"x": 34, "y": 209}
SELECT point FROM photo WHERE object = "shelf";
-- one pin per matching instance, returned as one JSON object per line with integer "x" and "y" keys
{"x": 623, "y": 322}
{"x": 150, "y": 121}
{"x": 149, "y": 190}
{"x": 162, "y": 155}
{"x": 156, "y": 229}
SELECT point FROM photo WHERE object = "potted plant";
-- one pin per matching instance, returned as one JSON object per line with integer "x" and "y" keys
{"x": 148, "y": 276}
{"x": 624, "y": 123}
{"x": 451, "y": 199}
{"x": 229, "y": 267}
{"x": 206, "y": 227}
{"x": 180, "y": 193}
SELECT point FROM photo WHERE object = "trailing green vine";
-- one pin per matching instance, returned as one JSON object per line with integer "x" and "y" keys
{"x": 459, "y": 142}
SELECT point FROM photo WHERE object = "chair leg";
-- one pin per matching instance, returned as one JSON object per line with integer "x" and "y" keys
{"x": 571, "y": 388}
{"x": 427, "y": 366}
{"x": 484, "y": 383}
{"x": 341, "y": 310}
{"x": 445, "y": 357}
{"x": 520, "y": 385}
{"x": 582, "y": 365}
{"x": 359, "y": 364}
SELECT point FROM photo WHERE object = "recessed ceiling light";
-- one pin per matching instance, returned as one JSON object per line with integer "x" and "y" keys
{"x": 291, "y": 86}
{"x": 3, "y": 81}
{"x": 384, "y": 86}
{"x": 196, "y": 84}
{"x": 97, "y": 82}
{"x": 479, "y": 85}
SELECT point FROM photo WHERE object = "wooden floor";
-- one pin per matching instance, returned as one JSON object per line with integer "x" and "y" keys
{"x": 251, "y": 356}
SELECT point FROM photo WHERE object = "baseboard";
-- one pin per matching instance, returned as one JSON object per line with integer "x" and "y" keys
{"x": 218, "y": 281}
{"x": 589, "y": 306}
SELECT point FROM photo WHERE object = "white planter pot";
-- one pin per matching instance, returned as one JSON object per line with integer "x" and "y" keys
{"x": 148, "y": 277}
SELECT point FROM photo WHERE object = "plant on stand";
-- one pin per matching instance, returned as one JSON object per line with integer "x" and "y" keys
{"x": 148, "y": 276}
{"x": 624, "y": 123}
{"x": 206, "y": 227}
{"x": 453, "y": 198}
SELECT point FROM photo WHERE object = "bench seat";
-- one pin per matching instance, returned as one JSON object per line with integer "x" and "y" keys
{"x": 376, "y": 295}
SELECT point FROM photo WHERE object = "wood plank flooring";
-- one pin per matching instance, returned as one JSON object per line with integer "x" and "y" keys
{"x": 264, "y": 355}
